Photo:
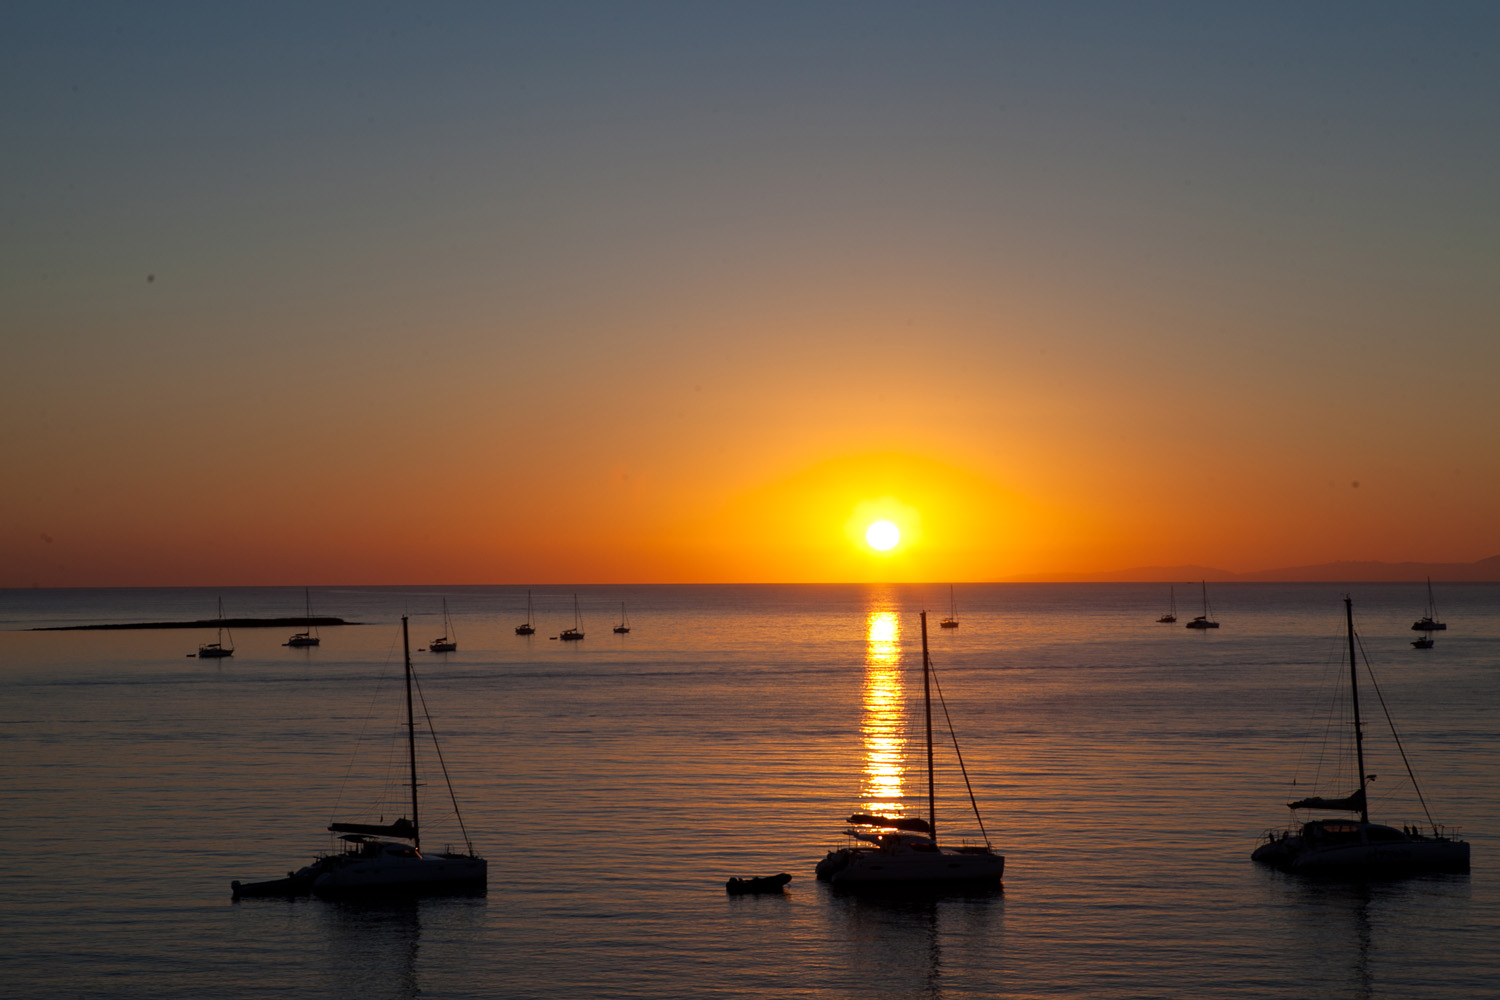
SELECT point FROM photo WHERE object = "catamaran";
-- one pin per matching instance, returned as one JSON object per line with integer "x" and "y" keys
{"x": 384, "y": 858}
{"x": 1429, "y": 622}
{"x": 1359, "y": 847}
{"x": 1204, "y": 620}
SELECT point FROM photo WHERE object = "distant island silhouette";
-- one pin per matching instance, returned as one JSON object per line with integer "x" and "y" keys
{"x": 1483, "y": 571}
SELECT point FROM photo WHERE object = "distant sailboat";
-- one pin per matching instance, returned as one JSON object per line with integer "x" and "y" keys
{"x": 525, "y": 628}
{"x": 1170, "y": 616}
{"x": 448, "y": 641}
{"x": 576, "y": 632}
{"x": 624, "y": 625}
{"x": 1429, "y": 622}
{"x": 1203, "y": 620}
{"x": 217, "y": 650}
{"x": 310, "y": 637}
{"x": 952, "y": 620}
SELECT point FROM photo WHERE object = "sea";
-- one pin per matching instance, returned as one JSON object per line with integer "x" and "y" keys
{"x": 1126, "y": 769}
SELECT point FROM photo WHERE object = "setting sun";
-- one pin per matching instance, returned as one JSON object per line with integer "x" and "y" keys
{"x": 883, "y": 535}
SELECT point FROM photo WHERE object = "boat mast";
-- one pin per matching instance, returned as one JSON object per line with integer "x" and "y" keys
{"x": 927, "y": 703}
{"x": 411, "y": 737}
{"x": 1359, "y": 736}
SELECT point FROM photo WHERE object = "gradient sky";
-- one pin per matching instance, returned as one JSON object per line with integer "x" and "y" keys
{"x": 610, "y": 292}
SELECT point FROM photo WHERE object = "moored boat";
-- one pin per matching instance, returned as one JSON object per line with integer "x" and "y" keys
{"x": 576, "y": 632}
{"x": 1204, "y": 620}
{"x": 1358, "y": 847}
{"x": 526, "y": 628}
{"x": 952, "y": 620}
{"x": 383, "y": 858}
{"x": 217, "y": 650}
{"x": 1429, "y": 622}
{"x": 904, "y": 851}
{"x": 448, "y": 641}
{"x": 1171, "y": 615}
{"x": 309, "y": 637}
{"x": 757, "y": 884}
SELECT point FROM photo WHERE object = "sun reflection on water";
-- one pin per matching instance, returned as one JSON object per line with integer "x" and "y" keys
{"x": 884, "y": 724}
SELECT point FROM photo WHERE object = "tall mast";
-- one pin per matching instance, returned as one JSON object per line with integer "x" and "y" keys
{"x": 927, "y": 703}
{"x": 411, "y": 738}
{"x": 1359, "y": 736}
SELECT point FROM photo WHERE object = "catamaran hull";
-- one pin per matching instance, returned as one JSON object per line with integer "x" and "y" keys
{"x": 1291, "y": 855}
{"x": 855, "y": 867}
{"x": 429, "y": 874}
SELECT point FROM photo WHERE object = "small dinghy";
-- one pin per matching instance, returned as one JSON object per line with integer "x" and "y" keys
{"x": 759, "y": 883}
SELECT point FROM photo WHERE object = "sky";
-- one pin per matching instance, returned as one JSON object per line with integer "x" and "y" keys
{"x": 691, "y": 292}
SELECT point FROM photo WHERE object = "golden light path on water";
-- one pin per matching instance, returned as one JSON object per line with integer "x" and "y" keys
{"x": 884, "y": 724}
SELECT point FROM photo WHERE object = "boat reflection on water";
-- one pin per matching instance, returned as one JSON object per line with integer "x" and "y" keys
{"x": 919, "y": 943}
{"x": 884, "y": 724}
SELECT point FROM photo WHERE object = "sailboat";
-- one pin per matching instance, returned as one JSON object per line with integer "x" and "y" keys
{"x": 1348, "y": 846}
{"x": 525, "y": 628}
{"x": 1429, "y": 622}
{"x": 1203, "y": 620}
{"x": 310, "y": 637}
{"x": 576, "y": 632}
{"x": 1171, "y": 616}
{"x": 448, "y": 641}
{"x": 624, "y": 625}
{"x": 1424, "y": 641}
{"x": 952, "y": 620}
{"x": 369, "y": 863}
{"x": 216, "y": 650}
{"x": 905, "y": 851}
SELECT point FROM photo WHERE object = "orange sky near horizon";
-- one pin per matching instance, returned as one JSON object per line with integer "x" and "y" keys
{"x": 1056, "y": 297}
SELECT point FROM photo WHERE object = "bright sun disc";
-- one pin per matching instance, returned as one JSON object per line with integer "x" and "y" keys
{"x": 883, "y": 535}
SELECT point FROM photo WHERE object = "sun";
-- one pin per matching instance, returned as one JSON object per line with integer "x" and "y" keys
{"x": 883, "y": 535}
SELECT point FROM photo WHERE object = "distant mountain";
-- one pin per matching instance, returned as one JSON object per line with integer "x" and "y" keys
{"x": 1483, "y": 571}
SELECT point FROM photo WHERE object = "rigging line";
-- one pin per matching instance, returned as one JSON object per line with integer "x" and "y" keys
{"x": 952, "y": 734}
{"x": 1394, "y": 735}
{"x": 1334, "y": 717}
{"x": 432, "y": 731}
{"x": 364, "y": 728}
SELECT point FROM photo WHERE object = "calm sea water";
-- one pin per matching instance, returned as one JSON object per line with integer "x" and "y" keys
{"x": 1125, "y": 768}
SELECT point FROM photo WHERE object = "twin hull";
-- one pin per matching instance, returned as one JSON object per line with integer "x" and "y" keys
{"x": 436, "y": 872}
{"x": 854, "y": 866}
{"x": 1332, "y": 847}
